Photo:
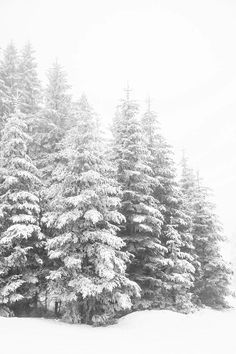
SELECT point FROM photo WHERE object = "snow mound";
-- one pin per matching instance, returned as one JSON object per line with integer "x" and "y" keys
{"x": 162, "y": 332}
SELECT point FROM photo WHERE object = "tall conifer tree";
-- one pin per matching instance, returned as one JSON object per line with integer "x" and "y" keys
{"x": 50, "y": 124}
{"x": 21, "y": 240}
{"x": 4, "y": 102}
{"x": 140, "y": 208}
{"x": 29, "y": 85}
{"x": 89, "y": 279}
{"x": 57, "y": 99}
{"x": 176, "y": 272}
{"x": 9, "y": 76}
{"x": 30, "y": 94}
{"x": 212, "y": 277}
{"x": 9, "y": 81}
{"x": 53, "y": 119}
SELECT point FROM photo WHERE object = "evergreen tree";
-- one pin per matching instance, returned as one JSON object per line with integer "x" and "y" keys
{"x": 188, "y": 189}
{"x": 21, "y": 239}
{"x": 233, "y": 259}
{"x": 49, "y": 126}
{"x": 175, "y": 273}
{"x": 57, "y": 99}
{"x": 30, "y": 96}
{"x": 89, "y": 276}
{"x": 212, "y": 276}
{"x": 9, "y": 78}
{"x": 140, "y": 208}
{"x": 3, "y": 102}
{"x": 29, "y": 85}
{"x": 52, "y": 122}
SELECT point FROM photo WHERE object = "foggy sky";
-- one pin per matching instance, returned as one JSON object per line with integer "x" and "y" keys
{"x": 181, "y": 53}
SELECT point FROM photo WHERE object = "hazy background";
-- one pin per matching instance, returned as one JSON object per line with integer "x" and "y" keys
{"x": 181, "y": 53}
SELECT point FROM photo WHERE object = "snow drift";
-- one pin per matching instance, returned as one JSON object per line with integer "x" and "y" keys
{"x": 162, "y": 332}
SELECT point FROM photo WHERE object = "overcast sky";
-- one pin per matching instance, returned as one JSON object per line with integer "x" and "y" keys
{"x": 181, "y": 53}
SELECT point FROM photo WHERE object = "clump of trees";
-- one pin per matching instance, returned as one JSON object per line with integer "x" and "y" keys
{"x": 89, "y": 230}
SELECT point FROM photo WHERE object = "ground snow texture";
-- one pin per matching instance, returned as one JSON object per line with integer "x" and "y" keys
{"x": 146, "y": 332}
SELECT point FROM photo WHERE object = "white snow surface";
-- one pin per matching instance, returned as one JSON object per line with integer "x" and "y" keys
{"x": 145, "y": 332}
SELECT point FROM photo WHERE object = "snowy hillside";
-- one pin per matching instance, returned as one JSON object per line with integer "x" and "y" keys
{"x": 147, "y": 332}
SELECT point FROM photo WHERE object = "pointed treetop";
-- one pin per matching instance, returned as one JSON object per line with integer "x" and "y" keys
{"x": 148, "y": 104}
{"x": 184, "y": 157}
{"x": 83, "y": 103}
{"x": 198, "y": 178}
{"x": 127, "y": 91}
{"x": 11, "y": 46}
{"x": 83, "y": 98}
{"x": 27, "y": 47}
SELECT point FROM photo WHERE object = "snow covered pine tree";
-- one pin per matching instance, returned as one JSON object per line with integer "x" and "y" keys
{"x": 21, "y": 240}
{"x": 10, "y": 76}
{"x": 29, "y": 85}
{"x": 140, "y": 207}
{"x": 9, "y": 79}
{"x": 89, "y": 273}
{"x": 174, "y": 274}
{"x": 3, "y": 102}
{"x": 49, "y": 127}
{"x": 52, "y": 122}
{"x": 212, "y": 278}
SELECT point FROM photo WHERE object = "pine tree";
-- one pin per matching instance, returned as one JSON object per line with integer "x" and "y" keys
{"x": 140, "y": 208}
{"x": 8, "y": 82}
{"x": 21, "y": 240}
{"x": 212, "y": 286}
{"x": 3, "y": 102}
{"x": 212, "y": 276}
{"x": 30, "y": 95}
{"x": 29, "y": 85}
{"x": 89, "y": 276}
{"x": 9, "y": 77}
{"x": 233, "y": 259}
{"x": 57, "y": 99}
{"x": 176, "y": 272}
{"x": 48, "y": 130}
{"x": 188, "y": 183}
{"x": 53, "y": 120}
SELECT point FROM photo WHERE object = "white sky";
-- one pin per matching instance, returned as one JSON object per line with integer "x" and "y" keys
{"x": 182, "y": 53}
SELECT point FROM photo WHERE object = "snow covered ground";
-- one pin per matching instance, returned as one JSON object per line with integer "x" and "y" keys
{"x": 146, "y": 332}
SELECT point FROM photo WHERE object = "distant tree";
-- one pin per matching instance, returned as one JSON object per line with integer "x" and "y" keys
{"x": 176, "y": 269}
{"x": 52, "y": 122}
{"x": 212, "y": 284}
{"x": 9, "y": 80}
{"x": 57, "y": 99}
{"x": 4, "y": 102}
{"x": 233, "y": 259}
{"x": 29, "y": 84}
{"x": 9, "y": 77}
{"x": 212, "y": 277}
{"x": 30, "y": 95}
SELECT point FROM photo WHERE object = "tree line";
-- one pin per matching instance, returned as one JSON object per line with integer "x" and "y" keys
{"x": 92, "y": 228}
